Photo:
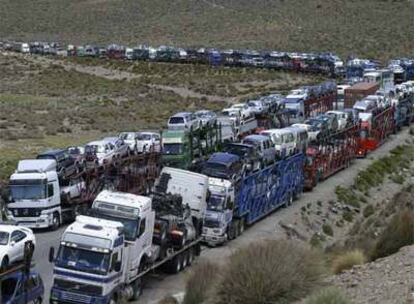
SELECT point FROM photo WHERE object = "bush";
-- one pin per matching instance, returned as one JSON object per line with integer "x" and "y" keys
{"x": 347, "y": 260}
{"x": 327, "y": 229}
{"x": 348, "y": 216}
{"x": 168, "y": 300}
{"x": 270, "y": 272}
{"x": 398, "y": 233}
{"x": 201, "y": 280}
{"x": 328, "y": 295}
{"x": 368, "y": 211}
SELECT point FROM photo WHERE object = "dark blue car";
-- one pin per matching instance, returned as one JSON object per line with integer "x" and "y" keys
{"x": 18, "y": 288}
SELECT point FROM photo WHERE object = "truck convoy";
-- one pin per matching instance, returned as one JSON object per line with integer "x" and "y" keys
{"x": 144, "y": 216}
{"x": 103, "y": 257}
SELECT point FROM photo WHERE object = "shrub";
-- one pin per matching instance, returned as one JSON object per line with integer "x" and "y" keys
{"x": 327, "y": 229}
{"x": 348, "y": 216}
{"x": 168, "y": 300}
{"x": 328, "y": 295}
{"x": 347, "y": 260}
{"x": 398, "y": 233}
{"x": 270, "y": 272}
{"x": 368, "y": 211}
{"x": 201, "y": 280}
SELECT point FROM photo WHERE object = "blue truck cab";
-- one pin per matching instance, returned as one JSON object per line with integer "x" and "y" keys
{"x": 21, "y": 288}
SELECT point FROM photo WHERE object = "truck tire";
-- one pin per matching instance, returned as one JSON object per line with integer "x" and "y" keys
{"x": 176, "y": 265}
{"x": 231, "y": 233}
{"x": 136, "y": 289}
{"x": 241, "y": 226}
{"x": 190, "y": 256}
{"x": 55, "y": 221}
{"x": 184, "y": 260}
{"x": 289, "y": 200}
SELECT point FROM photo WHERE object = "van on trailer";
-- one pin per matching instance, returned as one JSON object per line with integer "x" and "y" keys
{"x": 283, "y": 140}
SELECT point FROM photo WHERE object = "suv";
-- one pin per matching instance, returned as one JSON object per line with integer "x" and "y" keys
{"x": 224, "y": 165}
{"x": 121, "y": 149}
{"x": 65, "y": 164}
{"x": 104, "y": 151}
{"x": 206, "y": 117}
{"x": 130, "y": 138}
{"x": 183, "y": 121}
{"x": 265, "y": 147}
{"x": 248, "y": 153}
{"x": 148, "y": 141}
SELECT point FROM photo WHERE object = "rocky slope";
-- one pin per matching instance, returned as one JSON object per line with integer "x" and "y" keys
{"x": 389, "y": 280}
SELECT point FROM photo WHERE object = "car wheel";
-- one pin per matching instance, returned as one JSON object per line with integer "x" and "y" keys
{"x": 4, "y": 263}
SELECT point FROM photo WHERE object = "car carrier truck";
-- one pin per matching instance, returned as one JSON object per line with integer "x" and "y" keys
{"x": 40, "y": 199}
{"x": 232, "y": 205}
{"x": 103, "y": 257}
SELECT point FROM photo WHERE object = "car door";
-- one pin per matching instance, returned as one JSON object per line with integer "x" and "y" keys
{"x": 17, "y": 250}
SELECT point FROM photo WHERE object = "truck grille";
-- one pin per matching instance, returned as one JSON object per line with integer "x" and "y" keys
{"x": 79, "y": 287}
{"x": 76, "y": 298}
{"x": 25, "y": 212}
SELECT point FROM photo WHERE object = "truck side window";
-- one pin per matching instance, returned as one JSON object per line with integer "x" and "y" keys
{"x": 50, "y": 190}
{"x": 114, "y": 260}
{"x": 141, "y": 227}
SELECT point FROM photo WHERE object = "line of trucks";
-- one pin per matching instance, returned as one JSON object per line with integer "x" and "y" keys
{"x": 142, "y": 212}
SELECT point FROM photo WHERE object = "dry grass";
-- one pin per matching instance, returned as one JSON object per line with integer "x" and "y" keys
{"x": 347, "y": 260}
{"x": 270, "y": 272}
{"x": 328, "y": 295}
{"x": 200, "y": 283}
{"x": 369, "y": 28}
{"x": 398, "y": 233}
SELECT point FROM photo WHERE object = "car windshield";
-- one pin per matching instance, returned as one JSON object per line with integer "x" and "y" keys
{"x": 144, "y": 137}
{"x": 215, "y": 170}
{"x": 29, "y": 192}
{"x": 75, "y": 151}
{"x": 4, "y": 238}
{"x": 237, "y": 150}
{"x": 277, "y": 139}
{"x": 172, "y": 149}
{"x": 84, "y": 260}
{"x": 216, "y": 202}
{"x": 250, "y": 142}
{"x": 176, "y": 120}
{"x": 127, "y": 136}
{"x": 94, "y": 149}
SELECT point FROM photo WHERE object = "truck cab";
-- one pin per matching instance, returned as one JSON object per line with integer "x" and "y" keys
{"x": 104, "y": 254}
{"x": 35, "y": 194}
{"x": 176, "y": 148}
{"x": 219, "y": 212}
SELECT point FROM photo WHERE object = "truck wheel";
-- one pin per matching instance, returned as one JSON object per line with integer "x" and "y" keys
{"x": 241, "y": 226}
{"x": 289, "y": 200}
{"x": 177, "y": 264}
{"x": 37, "y": 301}
{"x": 231, "y": 233}
{"x": 184, "y": 260}
{"x": 190, "y": 256}
{"x": 236, "y": 229}
{"x": 55, "y": 221}
{"x": 4, "y": 263}
{"x": 136, "y": 289}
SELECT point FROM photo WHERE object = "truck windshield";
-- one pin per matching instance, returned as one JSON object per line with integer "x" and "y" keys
{"x": 84, "y": 260}
{"x": 130, "y": 225}
{"x": 216, "y": 202}
{"x": 172, "y": 149}
{"x": 29, "y": 192}
{"x": 211, "y": 223}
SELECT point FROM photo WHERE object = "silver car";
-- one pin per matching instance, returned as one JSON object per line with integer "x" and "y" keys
{"x": 206, "y": 117}
{"x": 183, "y": 121}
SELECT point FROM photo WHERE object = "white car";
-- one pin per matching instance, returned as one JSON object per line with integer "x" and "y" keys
{"x": 312, "y": 132}
{"x": 184, "y": 121}
{"x": 206, "y": 117}
{"x": 12, "y": 240}
{"x": 257, "y": 106}
{"x": 244, "y": 109}
{"x": 341, "y": 117}
{"x": 148, "y": 141}
{"x": 130, "y": 138}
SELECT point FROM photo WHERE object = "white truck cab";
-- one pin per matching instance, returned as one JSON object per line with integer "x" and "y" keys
{"x": 219, "y": 212}
{"x": 35, "y": 194}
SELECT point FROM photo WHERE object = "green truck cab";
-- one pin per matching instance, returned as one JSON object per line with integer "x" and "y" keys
{"x": 187, "y": 149}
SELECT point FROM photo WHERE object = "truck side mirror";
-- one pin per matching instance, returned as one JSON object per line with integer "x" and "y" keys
{"x": 51, "y": 254}
{"x": 117, "y": 267}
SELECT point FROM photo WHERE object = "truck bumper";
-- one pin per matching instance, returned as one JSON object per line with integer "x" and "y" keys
{"x": 43, "y": 221}
{"x": 59, "y": 296}
{"x": 214, "y": 240}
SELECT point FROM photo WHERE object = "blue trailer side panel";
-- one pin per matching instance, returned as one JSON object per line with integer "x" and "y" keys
{"x": 263, "y": 192}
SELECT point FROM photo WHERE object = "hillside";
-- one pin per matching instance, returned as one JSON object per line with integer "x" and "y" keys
{"x": 375, "y": 28}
